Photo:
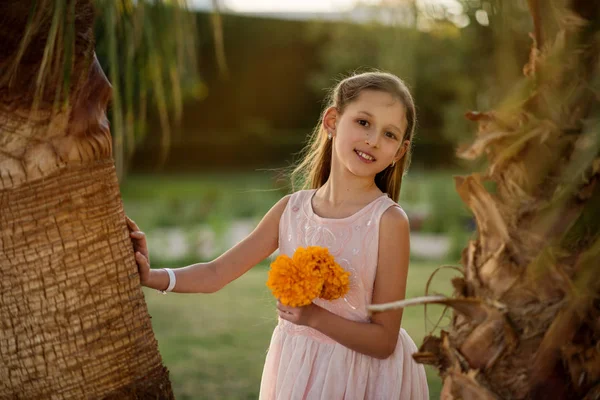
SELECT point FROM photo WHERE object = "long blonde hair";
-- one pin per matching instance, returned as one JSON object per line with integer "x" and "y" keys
{"x": 315, "y": 165}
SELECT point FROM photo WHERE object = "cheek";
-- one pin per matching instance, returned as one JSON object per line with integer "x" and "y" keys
{"x": 352, "y": 133}
{"x": 345, "y": 145}
{"x": 391, "y": 150}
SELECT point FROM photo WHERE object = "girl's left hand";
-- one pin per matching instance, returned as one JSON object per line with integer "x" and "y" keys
{"x": 304, "y": 315}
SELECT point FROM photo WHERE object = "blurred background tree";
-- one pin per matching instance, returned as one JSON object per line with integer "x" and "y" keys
{"x": 448, "y": 54}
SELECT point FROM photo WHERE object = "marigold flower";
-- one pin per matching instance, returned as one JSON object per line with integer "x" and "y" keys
{"x": 311, "y": 272}
{"x": 294, "y": 284}
{"x": 336, "y": 282}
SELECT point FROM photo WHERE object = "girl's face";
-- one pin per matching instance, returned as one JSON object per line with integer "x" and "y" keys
{"x": 368, "y": 135}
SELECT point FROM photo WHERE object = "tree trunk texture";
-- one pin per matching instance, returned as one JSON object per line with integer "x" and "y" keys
{"x": 73, "y": 320}
{"x": 526, "y": 321}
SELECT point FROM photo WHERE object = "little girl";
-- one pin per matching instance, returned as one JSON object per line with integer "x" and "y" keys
{"x": 352, "y": 170}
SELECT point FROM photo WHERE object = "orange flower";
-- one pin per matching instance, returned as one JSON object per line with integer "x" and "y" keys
{"x": 294, "y": 284}
{"x": 336, "y": 282}
{"x": 311, "y": 272}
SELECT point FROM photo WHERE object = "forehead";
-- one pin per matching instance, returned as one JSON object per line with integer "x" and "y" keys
{"x": 380, "y": 104}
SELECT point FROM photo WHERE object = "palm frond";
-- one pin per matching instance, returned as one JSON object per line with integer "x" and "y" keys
{"x": 148, "y": 49}
{"x": 151, "y": 54}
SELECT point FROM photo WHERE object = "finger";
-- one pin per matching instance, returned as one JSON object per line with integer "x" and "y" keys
{"x": 140, "y": 238}
{"x": 138, "y": 235}
{"x": 283, "y": 315}
{"x": 140, "y": 242}
{"x": 287, "y": 312}
{"x": 131, "y": 224}
{"x": 141, "y": 259}
{"x": 282, "y": 308}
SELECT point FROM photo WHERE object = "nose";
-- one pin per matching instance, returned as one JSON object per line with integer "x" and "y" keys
{"x": 372, "y": 140}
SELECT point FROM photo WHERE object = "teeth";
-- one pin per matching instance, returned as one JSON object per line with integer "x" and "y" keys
{"x": 364, "y": 155}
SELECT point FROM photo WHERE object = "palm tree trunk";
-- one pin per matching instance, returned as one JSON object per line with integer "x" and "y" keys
{"x": 74, "y": 323}
{"x": 73, "y": 320}
{"x": 526, "y": 312}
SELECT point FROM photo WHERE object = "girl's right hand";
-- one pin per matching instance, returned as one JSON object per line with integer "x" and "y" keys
{"x": 140, "y": 247}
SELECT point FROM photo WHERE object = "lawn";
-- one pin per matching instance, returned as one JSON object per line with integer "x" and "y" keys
{"x": 215, "y": 345}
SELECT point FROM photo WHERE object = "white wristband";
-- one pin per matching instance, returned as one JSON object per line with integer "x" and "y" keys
{"x": 172, "y": 280}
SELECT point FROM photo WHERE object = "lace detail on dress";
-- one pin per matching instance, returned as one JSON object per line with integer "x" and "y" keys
{"x": 352, "y": 241}
{"x": 303, "y": 363}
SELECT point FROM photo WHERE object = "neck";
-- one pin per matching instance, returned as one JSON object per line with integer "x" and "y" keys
{"x": 342, "y": 187}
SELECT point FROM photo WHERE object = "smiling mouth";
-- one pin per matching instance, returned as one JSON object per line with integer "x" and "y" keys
{"x": 364, "y": 156}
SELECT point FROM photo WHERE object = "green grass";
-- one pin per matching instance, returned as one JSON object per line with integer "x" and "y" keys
{"x": 215, "y": 345}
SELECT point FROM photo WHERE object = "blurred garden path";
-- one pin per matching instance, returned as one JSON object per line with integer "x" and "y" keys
{"x": 175, "y": 243}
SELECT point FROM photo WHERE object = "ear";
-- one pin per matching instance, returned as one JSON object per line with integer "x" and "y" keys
{"x": 330, "y": 118}
{"x": 402, "y": 150}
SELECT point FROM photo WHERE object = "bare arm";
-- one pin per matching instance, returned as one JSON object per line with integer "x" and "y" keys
{"x": 214, "y": 275}
{"x": 379, "y": 337}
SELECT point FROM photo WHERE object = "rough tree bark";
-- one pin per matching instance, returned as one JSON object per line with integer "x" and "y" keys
{"x": 526, "y": 319}
{"x": 73, "y": 320}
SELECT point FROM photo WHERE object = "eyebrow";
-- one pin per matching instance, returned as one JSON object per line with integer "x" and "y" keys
{"x": 371, "y": 115}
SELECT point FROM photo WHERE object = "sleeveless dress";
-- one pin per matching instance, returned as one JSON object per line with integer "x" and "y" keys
{"x": 302, "y": 363}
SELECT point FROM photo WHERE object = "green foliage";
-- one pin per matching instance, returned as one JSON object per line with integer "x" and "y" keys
{"x": 148, "y": 50}
{"x": 190, "y": 200}
{"x": 435, "y": 192}
{"x": 49, "y": 47}
{"x": 432, "y": 63}
{"x": 271, "y": 101}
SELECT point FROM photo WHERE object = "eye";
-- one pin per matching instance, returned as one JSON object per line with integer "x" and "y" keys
{"x": 391, "y": 135}
{"x": 363, "y": 122}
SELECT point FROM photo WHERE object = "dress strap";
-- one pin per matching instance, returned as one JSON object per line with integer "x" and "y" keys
{"x": 382, "y": 206}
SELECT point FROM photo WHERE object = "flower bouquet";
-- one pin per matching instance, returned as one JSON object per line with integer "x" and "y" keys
{"x": 311, "y": 272}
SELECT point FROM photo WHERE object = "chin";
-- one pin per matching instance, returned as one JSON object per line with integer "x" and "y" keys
{"x": 363, "y": 172}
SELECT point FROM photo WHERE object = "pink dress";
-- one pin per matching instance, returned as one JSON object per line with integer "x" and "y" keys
{"x": 303, "y": 363}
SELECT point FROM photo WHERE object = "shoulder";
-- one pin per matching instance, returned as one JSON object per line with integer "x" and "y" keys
{"x": 292, "y": 199}
{"x": 299, "y": 196}
{"x": 394, "y": 238}
{"x": 282, "y": 203}
{"x": 278, "y": 208}
{"x": 273, "y": 216}
{"x": 394, "y": 220}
